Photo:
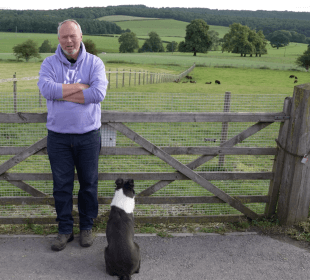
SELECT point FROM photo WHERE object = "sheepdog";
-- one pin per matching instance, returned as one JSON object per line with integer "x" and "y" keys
{"x": 122, "y": 255}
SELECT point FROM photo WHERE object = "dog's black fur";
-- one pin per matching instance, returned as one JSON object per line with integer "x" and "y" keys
{"x": 122, "y": 255}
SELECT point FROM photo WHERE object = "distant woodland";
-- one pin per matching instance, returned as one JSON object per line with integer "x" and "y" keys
{"x": 47, "y": 21}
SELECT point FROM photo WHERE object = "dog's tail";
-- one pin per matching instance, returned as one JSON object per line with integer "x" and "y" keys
{"x": 125, "y": 277}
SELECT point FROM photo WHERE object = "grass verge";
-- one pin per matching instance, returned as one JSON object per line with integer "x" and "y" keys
{"x": 270, "y": 227}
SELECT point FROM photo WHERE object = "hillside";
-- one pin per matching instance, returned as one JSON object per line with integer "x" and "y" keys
{"x": 43, "y": 21}
{"x": 141, "y": 26}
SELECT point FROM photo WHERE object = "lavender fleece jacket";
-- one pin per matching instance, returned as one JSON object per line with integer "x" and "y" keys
{"x": 69, "y": 117}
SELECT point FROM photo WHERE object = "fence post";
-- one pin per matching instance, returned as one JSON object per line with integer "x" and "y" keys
{"x": 225, "y": 125}
{"x": 109, "y": 79}
{"x": 129, "y": 77}
{"x": 294, "y": 193}
{"x": 15, "y": 93}
{"x": 123, "y": 77}
{"x": 116, "y": 78}
{"x": 277, "y": 169}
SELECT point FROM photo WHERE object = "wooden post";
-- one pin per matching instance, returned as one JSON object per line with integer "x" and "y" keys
{"x": 225, "y": 126}
{"x": 116, "y": 78}
{"x": 139, "y": 78}
{"x": 129, "y": 77}
{"x": 123, "y": 77}
{"x": 109, "y": 79}
{"x": 40, "y": 99}
{"x": 277, "y": 169}
{"x": 294, "y": 198}
{"x": 15, "y": 93}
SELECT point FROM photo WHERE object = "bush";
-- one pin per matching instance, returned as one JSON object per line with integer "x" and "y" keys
{"x": 90, "y": 47}
{"x": 26, "y": 50}
{"x": 46, "y": 47}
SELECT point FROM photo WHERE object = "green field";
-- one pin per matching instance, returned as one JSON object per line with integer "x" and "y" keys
{"x": 143, "y": 26}
{"x": 123, "y": 18}
{"x": 249, "y": 86}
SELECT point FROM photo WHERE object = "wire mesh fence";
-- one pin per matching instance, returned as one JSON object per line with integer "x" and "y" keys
{"x": 160, "y": 134}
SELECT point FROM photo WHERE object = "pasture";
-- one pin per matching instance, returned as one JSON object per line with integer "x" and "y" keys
{"x": 143, "y": 26}
{"x": 247, "y": 85}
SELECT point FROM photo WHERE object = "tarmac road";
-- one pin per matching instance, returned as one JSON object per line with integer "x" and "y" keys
{"x": 235, "y": 256}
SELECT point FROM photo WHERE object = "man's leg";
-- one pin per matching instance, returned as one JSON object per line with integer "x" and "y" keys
{"x": 86, "y": 154}
{"x": 62, "y": 164}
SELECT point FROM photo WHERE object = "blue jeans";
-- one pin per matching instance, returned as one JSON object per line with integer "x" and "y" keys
{"x": 67, "y": 152}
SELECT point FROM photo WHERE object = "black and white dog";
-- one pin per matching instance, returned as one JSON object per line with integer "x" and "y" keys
{"x": 122, "y": 255}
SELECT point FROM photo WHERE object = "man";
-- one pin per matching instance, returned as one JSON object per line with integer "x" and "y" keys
{"x": 73, "y": 83}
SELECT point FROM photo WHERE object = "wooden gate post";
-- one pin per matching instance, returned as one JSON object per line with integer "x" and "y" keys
{"x": 294, "y": 197}
{"x": 15, "y": 93}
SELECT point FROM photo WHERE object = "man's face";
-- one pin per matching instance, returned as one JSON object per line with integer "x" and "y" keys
{"x": 70, "y": 38}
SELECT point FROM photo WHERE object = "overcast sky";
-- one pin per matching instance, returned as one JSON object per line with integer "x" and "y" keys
{"x": 296, "y": 6}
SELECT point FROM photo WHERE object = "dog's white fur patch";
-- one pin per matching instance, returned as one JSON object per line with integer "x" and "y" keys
{"x": 123, "y": 202}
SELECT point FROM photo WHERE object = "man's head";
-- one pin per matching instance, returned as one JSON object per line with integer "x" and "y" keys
{"x": 70, "y": 37}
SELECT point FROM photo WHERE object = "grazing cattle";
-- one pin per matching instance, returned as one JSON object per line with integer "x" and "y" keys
{"x": 295, "y": 81}
{"x": 189, "y": 77}
{"x": 292, "y": 76}
{"x": 192, "y": 82}
{"x": 296, "y": 78}
{"x": 208, "y": 83}
{"x": 217, "y": 82}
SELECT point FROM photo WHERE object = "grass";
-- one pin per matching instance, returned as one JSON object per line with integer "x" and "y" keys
{"x": 123, "y": 18}
{"x": 257, "y": 82}
{"x": 142, "y": 26}
{"x": 270, "y": 227}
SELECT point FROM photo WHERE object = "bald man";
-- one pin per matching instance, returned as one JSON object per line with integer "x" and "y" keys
{"x": 73, "y": 82}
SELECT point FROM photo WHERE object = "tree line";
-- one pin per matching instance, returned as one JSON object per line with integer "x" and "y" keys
{"x": 266, "y": 21}
{"x": 49, "y": 24}
{"x": 240, "y": 39}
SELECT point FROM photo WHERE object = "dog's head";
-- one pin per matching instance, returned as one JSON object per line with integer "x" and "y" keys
{"x": 124, "y": 197}
{"x": 127, "y": 186}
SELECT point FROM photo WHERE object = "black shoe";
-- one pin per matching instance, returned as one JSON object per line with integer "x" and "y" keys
{"x": 86, "y": 238}
{"x": 61, "y": 241}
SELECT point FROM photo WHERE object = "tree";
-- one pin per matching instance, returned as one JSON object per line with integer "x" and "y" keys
{"x": 46, "y": 47}
{"x": 241, "y": 39}
{"x": 90, "y": 47}
{"x": 279, "y": 39}
{"x": 260, "y": 45}
{"x": 172, "y": 46}
{"x": 153, "y": 44}
{"x": 304, "y": 60}
{"x": 26, "y": 50}
{"x": 128, "y": 42}
{"x": 197, "y": 38}
{"x": 215, "y": 40}
{"x": 182, "y": 47}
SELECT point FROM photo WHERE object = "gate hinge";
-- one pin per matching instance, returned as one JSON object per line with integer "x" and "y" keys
{"x": 280, "y": 118}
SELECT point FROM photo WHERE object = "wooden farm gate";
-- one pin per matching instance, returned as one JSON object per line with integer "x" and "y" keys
{"x": 116, "y": 120}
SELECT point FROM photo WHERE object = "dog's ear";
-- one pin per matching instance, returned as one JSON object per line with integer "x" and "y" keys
{"x": 130, "y": 183}
{"x": 119, "y": 182}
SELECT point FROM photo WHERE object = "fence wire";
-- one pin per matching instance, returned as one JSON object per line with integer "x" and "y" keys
{"x": 160, "y": 134}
